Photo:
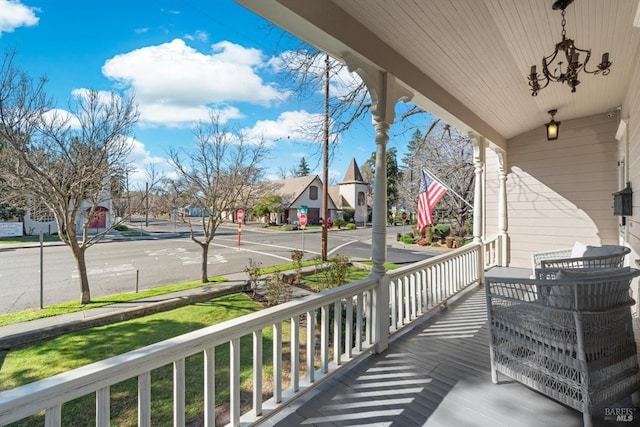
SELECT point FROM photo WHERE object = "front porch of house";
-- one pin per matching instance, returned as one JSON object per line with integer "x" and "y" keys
{"x": 437, "y": 373}
{"x": 415, "y": 353}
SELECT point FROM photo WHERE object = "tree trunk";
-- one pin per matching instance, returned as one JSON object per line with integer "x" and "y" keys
{"x": 205, "y": 257}
{"x": 85, "y": 294}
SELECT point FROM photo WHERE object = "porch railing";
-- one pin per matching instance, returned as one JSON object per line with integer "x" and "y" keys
{"x": 343, "y": 319}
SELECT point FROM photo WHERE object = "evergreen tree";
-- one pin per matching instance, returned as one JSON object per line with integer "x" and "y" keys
{"x": 303, "y": 168}
{"x": 393, "y": 174}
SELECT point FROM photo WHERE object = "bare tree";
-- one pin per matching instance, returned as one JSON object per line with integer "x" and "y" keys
{"x": 64, "y": 161}
{"x": 448, "y": 154}
{"x": 217, "y": 174}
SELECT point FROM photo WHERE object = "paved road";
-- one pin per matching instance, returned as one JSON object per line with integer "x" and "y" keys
{"x": 123, "y": 266}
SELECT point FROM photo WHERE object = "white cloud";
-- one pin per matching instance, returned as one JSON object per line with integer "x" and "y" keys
{"x": 175, "y": 83}
{"x": 14, "y": 14}
{"x": 291, "y": 125}
{"x": 198, "y": 35}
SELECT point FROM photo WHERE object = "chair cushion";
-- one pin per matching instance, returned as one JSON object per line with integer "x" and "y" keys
{"x": 578, "y": 250}
{"x": 563, "y": 296}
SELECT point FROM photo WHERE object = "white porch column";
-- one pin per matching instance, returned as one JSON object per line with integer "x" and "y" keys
{"x": 503, "y": 224}
{"x": 385, "y": 92}
{"x": 479, "y": 156}
{"x": 379, "y": 220}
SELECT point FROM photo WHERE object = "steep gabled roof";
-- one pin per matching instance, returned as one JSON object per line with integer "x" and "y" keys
{"x": 353, "y": 175}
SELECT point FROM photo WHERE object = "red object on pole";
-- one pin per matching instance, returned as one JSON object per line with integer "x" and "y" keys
{"x": 240, "y": 215}
{"x": 303, "y": 220}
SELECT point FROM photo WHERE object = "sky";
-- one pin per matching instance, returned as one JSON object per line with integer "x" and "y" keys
{"x": 182, "y": 59}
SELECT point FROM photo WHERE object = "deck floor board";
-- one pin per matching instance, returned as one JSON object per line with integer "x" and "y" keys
{"x": 437, "y": 373}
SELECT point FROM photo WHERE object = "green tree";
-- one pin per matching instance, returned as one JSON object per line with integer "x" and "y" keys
{"x": 393, "y": 174}
{"x": 303, "y": 168}
{"x": 271, "y": 203}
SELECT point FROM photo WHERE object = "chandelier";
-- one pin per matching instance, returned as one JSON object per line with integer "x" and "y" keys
{"x": 565, "y": 72}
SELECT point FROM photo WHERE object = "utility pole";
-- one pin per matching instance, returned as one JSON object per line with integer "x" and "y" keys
{"x": 146, "y": 209}
{"x": 325, "y": 163}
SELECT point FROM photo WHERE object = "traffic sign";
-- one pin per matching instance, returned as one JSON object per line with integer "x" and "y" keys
{"x": 303, "y": 220}
{"x": 404, "y": 216}
{"x": 240, "y": 215}
{"x": 303, "y": 209}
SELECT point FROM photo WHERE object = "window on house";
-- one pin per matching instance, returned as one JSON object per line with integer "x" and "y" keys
{"x": 41, "y": 213}
{"x": 360, "y": 198}
{"x": 313, "y": 192}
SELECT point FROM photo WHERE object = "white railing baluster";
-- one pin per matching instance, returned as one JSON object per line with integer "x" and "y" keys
{"x": 311, "y": 346}
{"x": 257, "y": 372}
{"x": 277, "y": 362}
{"x": 393, "y": 301}
{"x": 407, "y": 300}
{"x": 178, "y": 393}
{"x": 324, "y": 339}
{"x": 144, "y": 399}
{"x": 295, "y": 353}
{"x": 369, "y": 310}
{"x": 210, "y": 387}
{"x": 359, "y": 325}
{"x": 337, "y": 332}
{"x": 103, "y": 415}
{"x": 53, "y": 416}
{"x": 234, "y": 381}
{"x": 348, "y": 333}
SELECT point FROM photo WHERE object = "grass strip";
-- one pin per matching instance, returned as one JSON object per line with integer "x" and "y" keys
{"x": 75, "y": 306}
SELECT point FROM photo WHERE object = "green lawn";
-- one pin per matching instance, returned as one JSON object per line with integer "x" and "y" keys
{"x": 69, "y": 351}
{"x": 74, "y": 306}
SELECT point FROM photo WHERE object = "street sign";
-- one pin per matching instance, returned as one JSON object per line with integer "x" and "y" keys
{"x": 240, "y": 215}
{"x": 303, "y": 220}
{"x": 303, "y": 209}
{"x": 404, "y": 216}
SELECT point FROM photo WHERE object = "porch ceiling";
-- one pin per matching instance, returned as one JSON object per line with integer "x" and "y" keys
{"x": 468, "y": 60}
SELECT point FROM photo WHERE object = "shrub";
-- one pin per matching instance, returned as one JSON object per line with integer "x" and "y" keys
{"x": 277, "y": 290}
{"x": 459, "y": 242}
{"x": 350, "y": 226}
{"x": 337, "y": 272}
{"x": 253, "y": 271}
{"x": 348, "y": 214}
{"x": 289, "y": 227}
{"x": 407, "y": 239}
{"x": 441, "y": 230}
{"x": 339, "y": 222}
{"x": 296, "y": 257}
{"x": 424, "y": 242}
{"x": 121, "y": 227}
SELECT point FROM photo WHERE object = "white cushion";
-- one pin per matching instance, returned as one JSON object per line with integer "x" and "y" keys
{"x": 578, "y": 250}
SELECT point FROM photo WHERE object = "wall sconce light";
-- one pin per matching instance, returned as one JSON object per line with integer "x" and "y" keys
{"x": 553, "y": 127}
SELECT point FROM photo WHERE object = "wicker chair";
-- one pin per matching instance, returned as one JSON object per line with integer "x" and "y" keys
{"x": 570, "y": 338}
{"x": 580, "y": 256}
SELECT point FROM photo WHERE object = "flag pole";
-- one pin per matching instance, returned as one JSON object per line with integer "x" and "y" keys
{"x": 425, "y": 170}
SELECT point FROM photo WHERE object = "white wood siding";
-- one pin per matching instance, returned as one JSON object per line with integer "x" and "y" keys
{"x": 631, "y": 113}
{"x": 561, "y": 192}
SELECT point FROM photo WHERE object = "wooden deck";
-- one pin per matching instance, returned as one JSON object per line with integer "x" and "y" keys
{"x": 435, "y": 374}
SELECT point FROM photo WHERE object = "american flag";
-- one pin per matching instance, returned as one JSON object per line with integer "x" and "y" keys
{"x": 431, "y": 191}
